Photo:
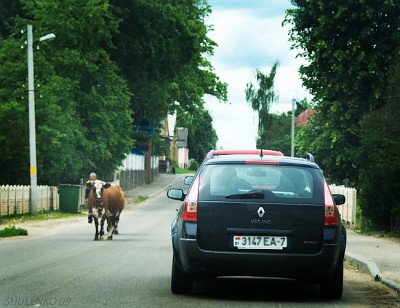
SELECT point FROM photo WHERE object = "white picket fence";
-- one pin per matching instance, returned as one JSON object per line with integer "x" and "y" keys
{"x": 347, "y": 210}
{"x": 15, "y": 199}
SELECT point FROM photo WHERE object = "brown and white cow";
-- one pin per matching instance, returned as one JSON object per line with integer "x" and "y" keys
{"x": 107, "y": 202}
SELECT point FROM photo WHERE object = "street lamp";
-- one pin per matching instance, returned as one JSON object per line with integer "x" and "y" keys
{"x": 32, "y": 129}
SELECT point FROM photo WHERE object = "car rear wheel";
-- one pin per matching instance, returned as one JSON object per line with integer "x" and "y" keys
{"x": 181, "y": 282}
{"x": 333, "y": 288}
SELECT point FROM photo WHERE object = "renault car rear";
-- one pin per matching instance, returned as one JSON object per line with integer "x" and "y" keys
{"x": 265, "y": 216}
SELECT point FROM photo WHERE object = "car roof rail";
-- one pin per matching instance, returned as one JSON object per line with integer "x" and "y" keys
{"x": 260, "y": 152}
{"x": 309, "y": 157}
{"x": 209, "y": 154}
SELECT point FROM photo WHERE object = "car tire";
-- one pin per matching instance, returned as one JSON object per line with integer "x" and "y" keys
{"x": 181, "y": 282}
{"x": 333, "y": 288}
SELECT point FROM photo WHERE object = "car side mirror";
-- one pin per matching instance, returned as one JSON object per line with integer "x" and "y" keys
{"x": 188, "y": 179}
{"x": 176, "y": 194}
{"x": 339, "y": 199}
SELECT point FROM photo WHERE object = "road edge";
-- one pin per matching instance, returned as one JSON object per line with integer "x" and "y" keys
{"x": 371, "y": 268}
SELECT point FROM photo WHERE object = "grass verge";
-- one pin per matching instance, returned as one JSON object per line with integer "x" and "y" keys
{"x": 141, "y": 199}
{"x": 13, "y": 231}
{"x": 42, "y": 215}
{"x": 12, "y": 220}
{"x": 184, "y": 171}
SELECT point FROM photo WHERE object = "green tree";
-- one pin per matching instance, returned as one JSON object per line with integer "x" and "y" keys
{"x": 14, "y": 128}
{"x": 8, "y": 11}
{"x": 260, "y": 100}
{"x": 101, "y": 97}
{"x": 301, "y": 106}
{"x": 82, "y": 105}
{"x": 380, "y": 160}
{"x": 162, "y": 50}
{"x": 278, "y": 135}
{"x": 112, "y": 62}
{"x": 380, "y": 153}
{"x": 348, "y": 48}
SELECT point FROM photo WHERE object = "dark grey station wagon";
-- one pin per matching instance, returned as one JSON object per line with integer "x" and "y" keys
{"x": 258, "y": 213}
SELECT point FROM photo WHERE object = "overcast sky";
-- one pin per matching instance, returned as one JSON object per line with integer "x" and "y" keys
{"x": 250, "y": 36}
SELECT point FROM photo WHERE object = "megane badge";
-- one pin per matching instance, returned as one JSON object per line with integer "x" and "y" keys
{"x": 260, "y": 212}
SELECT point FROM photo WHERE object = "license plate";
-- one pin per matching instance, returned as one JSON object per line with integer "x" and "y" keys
{"x": 259, "y": 242}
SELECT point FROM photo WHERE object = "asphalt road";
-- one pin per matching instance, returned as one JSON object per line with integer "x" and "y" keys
{"x": 68, "y": 269}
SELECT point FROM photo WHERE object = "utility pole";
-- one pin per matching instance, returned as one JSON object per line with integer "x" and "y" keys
{"x": 292, "y": 145}
{"x": 32, "y": 124}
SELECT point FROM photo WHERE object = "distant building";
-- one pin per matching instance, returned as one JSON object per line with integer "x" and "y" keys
{"x": 182, "y": 147}
{"x": 302, "y": 118}
{"x": 177, "y": 138}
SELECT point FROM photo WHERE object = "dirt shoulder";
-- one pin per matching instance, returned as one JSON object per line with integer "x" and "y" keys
{"x": 367, "y": 292}
{"x": 43, "y": 227}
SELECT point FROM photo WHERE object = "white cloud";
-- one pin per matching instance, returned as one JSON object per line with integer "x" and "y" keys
{"x": 236, "y": 124}
{"x": 249, "y": 37}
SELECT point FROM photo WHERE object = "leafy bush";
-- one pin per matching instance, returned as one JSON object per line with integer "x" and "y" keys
{"x": 12, "y": 230}
{"x": 380, "y": 157}
{"x": 193, "y": 165}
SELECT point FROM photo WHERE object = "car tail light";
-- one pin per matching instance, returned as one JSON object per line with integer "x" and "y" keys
{"x": 190, "y": 206}
{"x": 331, "y": 216}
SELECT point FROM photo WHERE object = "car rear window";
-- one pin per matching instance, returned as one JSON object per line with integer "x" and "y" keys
{"x": 295, "y": 184}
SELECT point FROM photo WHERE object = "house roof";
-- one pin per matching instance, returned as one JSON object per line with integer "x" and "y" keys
{"x": 302, "y": 118}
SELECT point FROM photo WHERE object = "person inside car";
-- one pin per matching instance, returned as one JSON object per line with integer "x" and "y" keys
{"x": 234, "y": 184}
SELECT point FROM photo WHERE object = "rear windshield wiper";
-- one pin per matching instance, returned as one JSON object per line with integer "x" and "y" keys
{"x": 252, "y": 194}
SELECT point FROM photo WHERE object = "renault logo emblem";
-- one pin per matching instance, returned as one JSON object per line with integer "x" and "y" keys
{"x": 260, "y": 212}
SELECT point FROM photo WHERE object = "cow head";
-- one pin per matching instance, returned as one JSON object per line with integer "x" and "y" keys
{"x": 97, "y": 187}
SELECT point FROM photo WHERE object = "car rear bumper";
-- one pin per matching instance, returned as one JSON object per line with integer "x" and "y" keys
{"x": 312, "y": 267}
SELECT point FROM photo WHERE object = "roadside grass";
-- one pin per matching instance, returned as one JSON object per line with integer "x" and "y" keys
{"x": 184, "y": 171}
{"x": 362, "y": 228}
{"x": 394, "y": 236}
{"x": 11, "y": 221}
{"x": 140, "y": 199}
{"x": 13, "y": 231}
{"x": 42, "y": 215}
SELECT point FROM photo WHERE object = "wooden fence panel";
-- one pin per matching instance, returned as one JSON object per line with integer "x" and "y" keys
{"x": 12, "y": 206}
{"x": 21, "y": 207}
{"x": 4, "y": 197}
{"x": 16, "y": 199}
{"x": 347, "y": 210}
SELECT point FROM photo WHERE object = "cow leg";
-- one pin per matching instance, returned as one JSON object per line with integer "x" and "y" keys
{"x": 116, "y": 223}
{"x": 110, "y": 227}
{"x": 96, "y": 226}
{"x": 101, "y": 230}
{"x": 102, "y": 227}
